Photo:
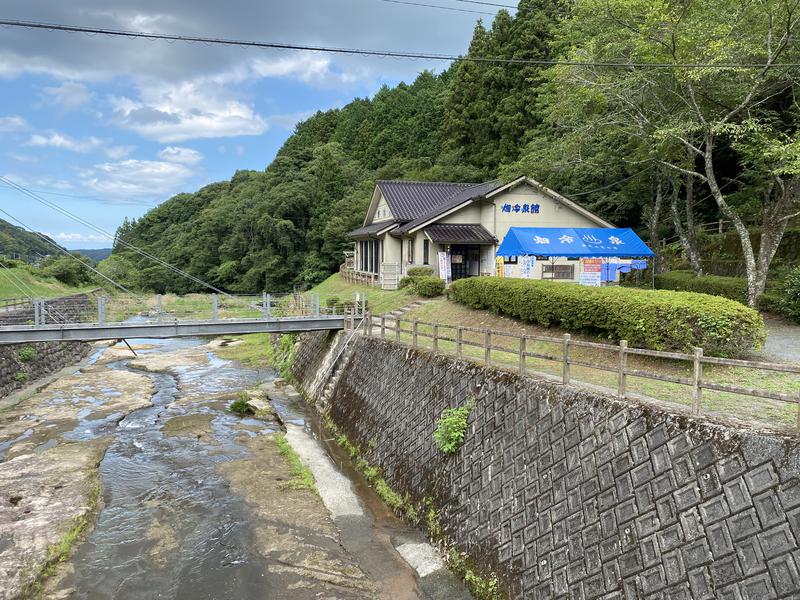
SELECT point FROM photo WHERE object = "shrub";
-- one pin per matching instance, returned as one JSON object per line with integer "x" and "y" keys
{"x": 420, "y": 272}
{"x": 27, "y": 354}
{"x": 240, "y": 405}
{"x": 656, "y": 319}
{"x": 734, "y": 288}
{"x": 790, "y": 295}
{"x": 452, "y": 427}
{"x": 332, "y": 301}
{"x": 407, "y": 281}
{"x": 429, "y": 286}
{"x": 21, "y": 376}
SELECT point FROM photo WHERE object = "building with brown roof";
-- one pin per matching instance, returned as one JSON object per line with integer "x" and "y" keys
{"x": 456, "y": 228}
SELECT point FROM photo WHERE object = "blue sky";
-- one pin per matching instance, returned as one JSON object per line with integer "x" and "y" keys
{"x": 108, "y": 128}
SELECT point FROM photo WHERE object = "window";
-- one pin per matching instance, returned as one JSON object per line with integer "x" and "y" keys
{"x": 558, "y": 271}
{"x": 426, "y": 252}
{"x": 410, "y": 251}
{"x": 510, "y": 260}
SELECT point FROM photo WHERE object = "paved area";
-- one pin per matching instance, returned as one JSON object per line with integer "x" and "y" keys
{"x": 783, "y": 339}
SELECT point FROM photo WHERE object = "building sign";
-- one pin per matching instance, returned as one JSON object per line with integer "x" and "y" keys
{"x": 591, "y": 272}
{"x": 520, "y": 208}
{"x": 445, "y": 271}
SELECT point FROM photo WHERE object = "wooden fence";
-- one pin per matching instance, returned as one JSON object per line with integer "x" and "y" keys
{"x": 395, "y": 328}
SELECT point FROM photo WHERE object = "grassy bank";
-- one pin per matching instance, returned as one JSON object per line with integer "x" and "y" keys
{"x": 16, "y": 282}
{"x": 724, "y": 404}
{"x": 380, "y": 301}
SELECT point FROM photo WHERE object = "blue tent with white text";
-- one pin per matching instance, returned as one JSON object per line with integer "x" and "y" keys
{"x": 577, "y": 242}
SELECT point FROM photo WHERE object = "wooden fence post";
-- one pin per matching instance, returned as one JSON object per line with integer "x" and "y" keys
{"x": 397, "y": 330}
{"x": 565, "y": 365}
{"x": 623, "y": 365}
{"x": 697, "y": 376}
{"x": 414, "y": 334}
{"x": 522, "y": 350}
{"x": 435, "y": 342}
{"x": 487, "y": 347}
{"x": 459, "y": 349}
{"x": 383, "y": 327}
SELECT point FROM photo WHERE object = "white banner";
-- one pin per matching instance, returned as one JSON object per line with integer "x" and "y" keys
{"x": 445, "y": 270}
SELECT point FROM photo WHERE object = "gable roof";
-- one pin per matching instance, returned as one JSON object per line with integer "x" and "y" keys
{"x": 409, "y": 200}
{"x": 415, "y": 204}
{"x": 468, "y": 194}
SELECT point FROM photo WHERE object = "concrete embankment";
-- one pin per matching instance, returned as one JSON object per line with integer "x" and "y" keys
{"x": 565, "y": 492}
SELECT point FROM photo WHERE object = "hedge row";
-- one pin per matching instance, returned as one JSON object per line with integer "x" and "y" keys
{"x": 656, "y": 319}
{"x": 427, "y": 286}
{"x": 734, "y": 288}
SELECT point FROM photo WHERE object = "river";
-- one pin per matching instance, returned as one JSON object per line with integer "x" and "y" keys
{"x": 194, "y": 500}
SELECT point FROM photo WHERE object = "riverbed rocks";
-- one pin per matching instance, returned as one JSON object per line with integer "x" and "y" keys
{"x": 45, "y": 501}
{"x": 294, "y": 531}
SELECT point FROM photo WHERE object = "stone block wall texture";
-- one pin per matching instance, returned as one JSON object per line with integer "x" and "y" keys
{"x": 49, "y": 358}
{"x": 566, "y": 493}
{"x": 76, "y": 308}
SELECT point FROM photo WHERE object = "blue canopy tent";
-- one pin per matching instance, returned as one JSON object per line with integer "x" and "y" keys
{"x": 594, "y": 242}
{"x": 578, "y": 242}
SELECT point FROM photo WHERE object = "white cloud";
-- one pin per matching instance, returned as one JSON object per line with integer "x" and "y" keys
{"x": 118, "y": 152}
{"x": 12, "y": 123}
{"x": 178, "y": 154}
{"x": 69, "y": 95}
{"x": 131, "y": 178}
{"x": 73, "y": 237}
{"x": 65, "y": 142}
{"x": 187, "y": 110}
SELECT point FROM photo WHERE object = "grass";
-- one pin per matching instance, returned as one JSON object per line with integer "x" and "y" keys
{"x": 240, "y": 405}
{"x": 16, "y": 282}
{"x": 379, "y": 301}
{"x": 302, "y": 478}
{"x": 772, "y": 412}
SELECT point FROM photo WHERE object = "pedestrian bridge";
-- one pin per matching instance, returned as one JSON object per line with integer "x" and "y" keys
{"x": 174, "y": 316}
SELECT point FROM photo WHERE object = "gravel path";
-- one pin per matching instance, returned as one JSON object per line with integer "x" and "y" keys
{"x": 783, "y": 339}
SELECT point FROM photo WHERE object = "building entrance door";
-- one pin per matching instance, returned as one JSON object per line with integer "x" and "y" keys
{"x": 465, "y": 261}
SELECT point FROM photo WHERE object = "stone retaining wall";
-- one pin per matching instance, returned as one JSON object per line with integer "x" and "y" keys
{"x": 567, "y": 493}
{"x": 76, "y": 308}
{"x": 49, "y": 357}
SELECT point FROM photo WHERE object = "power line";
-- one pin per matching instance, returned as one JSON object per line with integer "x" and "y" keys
{"x": 62, "y": 250}
{"x": 136, "y": 249}
{"x": 510, "y": 6}
{"x": 451, "y": 8}
{"x": 378, "y": 53}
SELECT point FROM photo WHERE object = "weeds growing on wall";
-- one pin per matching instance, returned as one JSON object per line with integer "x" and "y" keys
{"x": 422, "y": 514}
{"x": 451, "y": 428}
{"x": 27, "y": 354}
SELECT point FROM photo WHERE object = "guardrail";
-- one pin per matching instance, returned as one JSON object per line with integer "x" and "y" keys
{"x": 387, "y": 327}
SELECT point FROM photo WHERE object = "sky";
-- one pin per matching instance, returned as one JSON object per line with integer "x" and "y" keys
{"x": 108, "y": 128}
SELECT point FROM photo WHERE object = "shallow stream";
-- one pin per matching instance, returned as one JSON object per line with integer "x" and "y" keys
{"x": 170, "y": 526}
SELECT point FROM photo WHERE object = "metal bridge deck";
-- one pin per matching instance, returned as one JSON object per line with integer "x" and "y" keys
{"x": 88, "y": 332}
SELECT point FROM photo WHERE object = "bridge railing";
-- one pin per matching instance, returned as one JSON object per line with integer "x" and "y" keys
{"x": 103, "y": 309}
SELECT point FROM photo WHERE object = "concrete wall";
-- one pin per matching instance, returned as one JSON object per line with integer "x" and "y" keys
{"x": 572, "y": 494}
{"x": 50, "y": 357}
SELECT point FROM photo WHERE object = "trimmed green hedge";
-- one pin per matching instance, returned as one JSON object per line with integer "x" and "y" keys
{"x": 734, "y": 288}
{"x": 420, "y": 272}
{"x": 790, "y": 301}
{"x": 428, "y": 287}
{"x": 656, "y": 319}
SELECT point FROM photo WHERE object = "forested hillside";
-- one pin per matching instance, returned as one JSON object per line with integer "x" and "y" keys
{"x": 16, "y": 242}
{"x": 659, "y": 149}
